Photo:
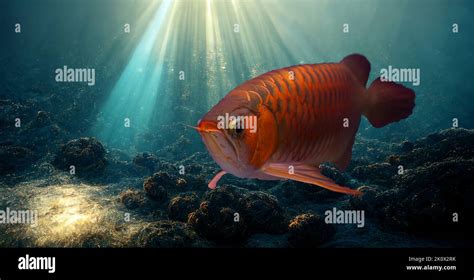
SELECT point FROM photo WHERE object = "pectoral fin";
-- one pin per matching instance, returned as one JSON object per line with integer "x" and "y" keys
{"x": 306, "y": 174}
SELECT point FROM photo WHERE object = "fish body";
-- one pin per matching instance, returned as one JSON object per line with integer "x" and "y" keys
{"x": 311, "y": 110}
{"x": 306, "y": 115}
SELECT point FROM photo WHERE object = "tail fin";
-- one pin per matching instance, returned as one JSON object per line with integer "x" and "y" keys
{"x": 388, "y": 102}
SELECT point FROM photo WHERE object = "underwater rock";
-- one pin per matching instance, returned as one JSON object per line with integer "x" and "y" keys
{"x": 198, "y": 169}
{"x": 366, "y": 151}
{"x": 86, "y": 154}
{"x": 132, "y": 199}
{"x": 156, "y": 192}
{"x": 424, "y": 200}
{"x": 180, "y": 148}
{"x": 368, "y": 198}
{"x": 229, "y": 214}
{"x": 10, "y": 111}
{"x": 431, "y": 195}
{"x": 378, "y": 173}
{"x": 434, "y": 190}
{"x": 119, "y": 169}
{"x": 185, "y": 176}
{"x": 14, "y": 158}
{"x": 181, "y": 206}
{"x": 168, "y": 234}
{"x": 181, "y": 182}
{"x": 43, "y": 118}
{"x": 339, "y": 177}
{"x": 393, "y": 159}
{"x": 156, "y": 186}
{"x": 309, "y": 230}
{"x": 407, "y": 146}
{"x": 331, "y": 171}
{"x": 447, "y": 144}
{"x": 25, "y": 124}
{"x": 424, "y": 197}
{"x": 198, "y": 163}
{"x": 263, "y": 213}
{"x": 225, "y": 196}
{"x": 119, "y": 155}
{"x": 146, "y": 160}
{"x": 219, "y": 217}
{"x": 291, "y": 193}
{"x": 220, "y": 225}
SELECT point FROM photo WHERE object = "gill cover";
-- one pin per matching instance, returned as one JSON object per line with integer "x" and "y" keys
{"x": 266, "y": 137}
{"x": 261, "y": 144}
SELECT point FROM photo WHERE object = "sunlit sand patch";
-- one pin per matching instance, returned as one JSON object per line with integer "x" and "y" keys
{"x": 68, "y": 213}
{"x": 71, "y": 215}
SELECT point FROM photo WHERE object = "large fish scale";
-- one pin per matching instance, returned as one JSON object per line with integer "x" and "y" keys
{"x": 310, "y": 109}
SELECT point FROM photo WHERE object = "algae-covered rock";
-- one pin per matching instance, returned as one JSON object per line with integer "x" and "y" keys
{"x": 156, "y": 186}
{"x": 309, "y": 230}
{"x": 181, "y": 206}
{"x": 86, "y": 154}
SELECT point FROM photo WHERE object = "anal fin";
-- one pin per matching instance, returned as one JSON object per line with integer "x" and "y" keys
{"x": 306, "y": 174}
{"x": 343, "y": 162}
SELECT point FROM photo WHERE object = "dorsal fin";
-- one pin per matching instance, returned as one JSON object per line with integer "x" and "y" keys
{"x": 359, "y": 66}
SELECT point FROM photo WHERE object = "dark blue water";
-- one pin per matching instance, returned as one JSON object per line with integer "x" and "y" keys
{"x": 137, "y": 73}
{"x": 159, "y": 66}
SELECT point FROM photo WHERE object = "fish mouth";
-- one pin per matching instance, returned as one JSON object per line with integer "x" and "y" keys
{"x": 206, "y": 126}
{"x": 210, "y": 133}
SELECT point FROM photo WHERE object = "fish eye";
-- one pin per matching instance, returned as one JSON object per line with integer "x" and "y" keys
{"x": 236, "y": 132}
{"x": 232, "y": 124}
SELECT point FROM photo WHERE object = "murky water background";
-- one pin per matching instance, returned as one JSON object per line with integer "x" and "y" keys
{"x": 178, "y": 60}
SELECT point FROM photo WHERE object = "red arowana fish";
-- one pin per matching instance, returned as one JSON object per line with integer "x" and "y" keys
{"x": 306, "y": 115}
